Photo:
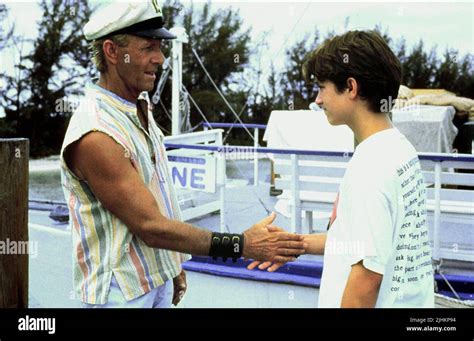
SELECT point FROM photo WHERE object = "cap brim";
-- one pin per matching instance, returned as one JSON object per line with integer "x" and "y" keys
{"x": 158, "y": 33}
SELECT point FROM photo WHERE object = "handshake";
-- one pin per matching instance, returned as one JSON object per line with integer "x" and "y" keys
{"x": 271, "y": 246}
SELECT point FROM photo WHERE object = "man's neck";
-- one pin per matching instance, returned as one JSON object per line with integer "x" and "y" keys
{"x": 107, "y": 82}
{"x": 365, "y": 124}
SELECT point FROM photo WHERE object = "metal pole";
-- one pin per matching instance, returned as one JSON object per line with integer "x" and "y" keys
{"x": 221, "y": 162}
{"x": 295, "y": 195}
{"x": 255, "y": 158}
{"x": 437, "y": 211}
{"x": 177, "y": 57}
{"x": 222, "y": 194}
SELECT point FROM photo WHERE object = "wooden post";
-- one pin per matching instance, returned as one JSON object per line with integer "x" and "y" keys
{"x": 14, "y": 155}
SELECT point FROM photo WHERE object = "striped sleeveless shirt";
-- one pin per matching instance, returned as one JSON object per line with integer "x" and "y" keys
{"x": 102, "y": 245}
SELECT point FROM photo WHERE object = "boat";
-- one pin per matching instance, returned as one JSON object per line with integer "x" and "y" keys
{"x": 218, "y": 284}
{"x": 237, "y": 192}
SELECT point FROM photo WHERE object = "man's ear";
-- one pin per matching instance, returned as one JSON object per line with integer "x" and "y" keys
{"x": 111, "y": 52}
{"x": 352, "y": 87}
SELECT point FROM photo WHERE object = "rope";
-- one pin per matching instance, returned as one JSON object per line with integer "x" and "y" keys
{"x": 195, "y": 104}
{"x": 289, "y": 34}
{"x": 449, "y": 285}
{"x": 219, "y": 92}
{"x": 228, "y": 131}
{"x": 159, "y": 90}
{"x": 161, "y": 83}
{"x": 446, "y": 301}
{"x": 437, "y": 268}
{"x": 166, "y": 111}
{"x": 256, "y": 90}
{"x": 186, "y": 111}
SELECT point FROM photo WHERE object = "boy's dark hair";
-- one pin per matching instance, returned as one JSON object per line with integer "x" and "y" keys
{"x": 363, "y": 55}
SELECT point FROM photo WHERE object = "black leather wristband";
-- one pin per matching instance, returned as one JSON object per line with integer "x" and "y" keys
{"x": 226, "y": 245}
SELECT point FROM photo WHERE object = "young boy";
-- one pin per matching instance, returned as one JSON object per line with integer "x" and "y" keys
{"x": 376, "y": 251}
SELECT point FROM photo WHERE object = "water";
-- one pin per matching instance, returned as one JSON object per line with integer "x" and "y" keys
{"x": 46, "y": 185}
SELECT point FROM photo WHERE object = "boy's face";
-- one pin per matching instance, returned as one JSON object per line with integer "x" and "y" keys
{"x": 336, "y": 105}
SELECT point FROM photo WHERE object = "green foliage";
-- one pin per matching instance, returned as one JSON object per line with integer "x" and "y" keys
{"x": 4, "y": 34}
{"x": 424, "y": 70}
{"x": 54, "y": 69}
{"x": 421, "y": 69}
{"x": 297, "y": 94}
{"x": 59, "y": 63}
{"x": 455, "y": 74}
{"x": 224, "y": 49}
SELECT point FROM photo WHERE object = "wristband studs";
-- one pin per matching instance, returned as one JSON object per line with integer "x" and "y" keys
{"x": 226, "y": 245}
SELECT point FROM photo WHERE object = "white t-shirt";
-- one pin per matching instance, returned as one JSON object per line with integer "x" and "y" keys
{"x": 381, "y": 220}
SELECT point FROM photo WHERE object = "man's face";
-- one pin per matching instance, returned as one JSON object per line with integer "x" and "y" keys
{"x": 138, "y": 63}
{"x": 336, "y": 105}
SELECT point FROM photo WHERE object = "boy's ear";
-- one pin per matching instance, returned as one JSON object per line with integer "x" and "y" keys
{"x": 352, "y": 85}
{"x": 349, "y": 83}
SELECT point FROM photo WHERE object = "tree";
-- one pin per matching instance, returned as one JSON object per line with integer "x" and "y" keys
{"x": 267, "y": 100}
{"x": 419, "y": 67}
{"x": 5, "y": 35}
{"x": 224, "y": 49}
{"x": 464, "y": 85}
{"x": 260, "y": 98}
{"x": 455, "y": 74}
{"x": 297, "y": 94}
{"x": 425, "y": 70}
{"x": 54, "y": 69}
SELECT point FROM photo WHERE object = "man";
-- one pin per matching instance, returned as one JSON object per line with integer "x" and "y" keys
{"x": 129, "y": 240}
{"x": 376, "y": 252}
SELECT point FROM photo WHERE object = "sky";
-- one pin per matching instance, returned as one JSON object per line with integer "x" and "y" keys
{"x": 446, "y": 24}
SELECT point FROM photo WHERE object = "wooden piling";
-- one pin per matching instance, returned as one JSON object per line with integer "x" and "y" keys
{"x": 14, "y": 156}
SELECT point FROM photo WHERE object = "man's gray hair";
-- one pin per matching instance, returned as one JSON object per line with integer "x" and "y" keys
{"x": 97, "y": 51}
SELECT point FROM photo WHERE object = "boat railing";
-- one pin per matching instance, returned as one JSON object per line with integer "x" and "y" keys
{"x": 447, "y": 191}
{"x": 255, "y": 127}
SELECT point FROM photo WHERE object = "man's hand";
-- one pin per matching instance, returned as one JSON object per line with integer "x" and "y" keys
{"x": 270, "y": 265}
{"x": 180, "y": 286}
{"x": 263, "y": 245}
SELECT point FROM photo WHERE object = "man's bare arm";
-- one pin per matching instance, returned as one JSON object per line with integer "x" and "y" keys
{"x": 362, "y": 288}
{"x": 106, "y": 167}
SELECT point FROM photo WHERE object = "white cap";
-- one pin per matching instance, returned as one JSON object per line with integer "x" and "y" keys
{"x": 141, "y": 18}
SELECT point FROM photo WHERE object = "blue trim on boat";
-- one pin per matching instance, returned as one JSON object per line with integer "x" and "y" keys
{"x": 422, "y": 156}
{"x": 258, "y": 150}
{"x": 233, "y": 125}
{"x": 307, "y": 274}
{"x": 302, "y": 273}
{"x": 446, "y": 157}
{"x": 464, "y": 285}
